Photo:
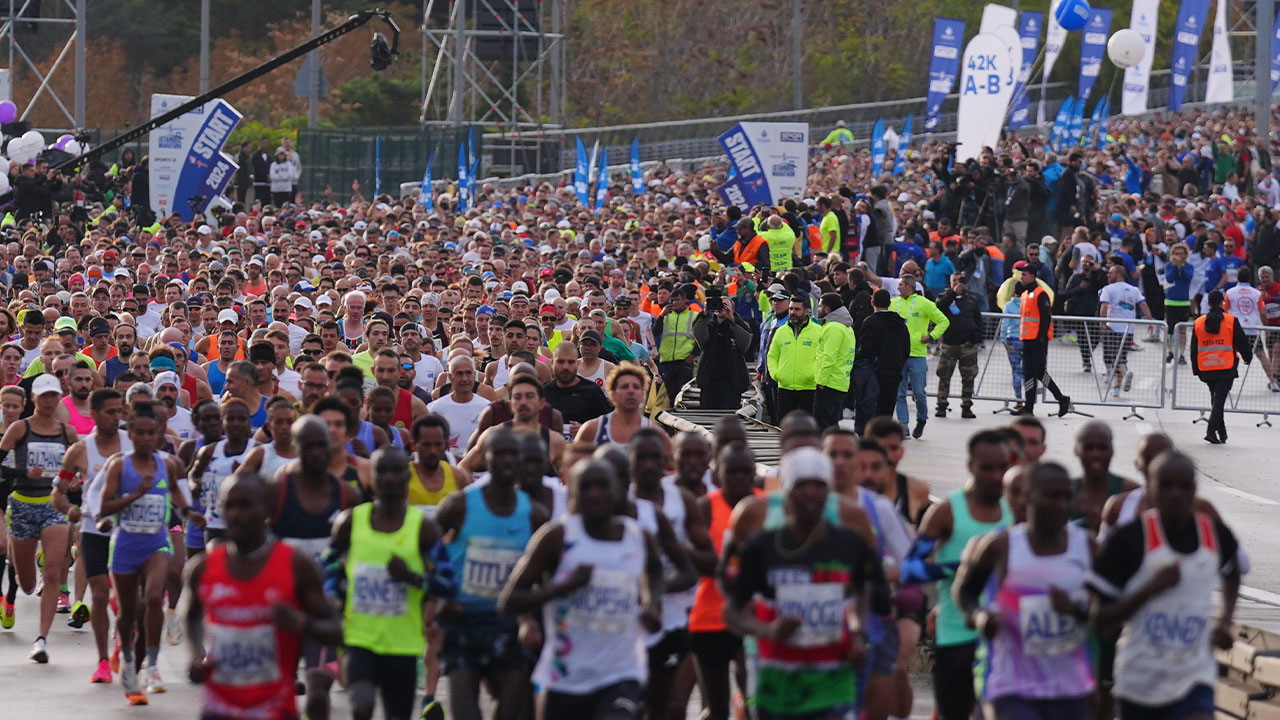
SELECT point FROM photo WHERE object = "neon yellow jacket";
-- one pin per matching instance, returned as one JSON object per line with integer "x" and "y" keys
{"x": 919, "y": 311}
{"x": 835, "y": 352}
{"x": 793, "y": 357}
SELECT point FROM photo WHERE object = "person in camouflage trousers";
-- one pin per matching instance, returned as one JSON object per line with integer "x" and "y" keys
{"x": 960, "y": 344}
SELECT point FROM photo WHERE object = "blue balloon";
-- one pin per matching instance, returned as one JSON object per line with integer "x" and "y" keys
{"x": 1072, "y": 14}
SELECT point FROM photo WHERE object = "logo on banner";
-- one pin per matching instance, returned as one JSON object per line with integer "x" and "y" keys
{"x": 1191, "y": 21}
{"x": 946, "y": 53}
{"x": 791, "y": 137}
{"x": 785, "y": 169}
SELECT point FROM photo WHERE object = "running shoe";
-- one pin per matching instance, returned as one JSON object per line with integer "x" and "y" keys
{"x": 129, "y": 681}
{"x": 115, "y": 656}
{"x": 102, "y": 674}
{"x": 1127, "y": 383}
{"x": 79, "y": 615}
{"x": 172, "y": 627}
{"x": 64, "y": 601}
{"x": 39, "y": 651}
{"x": 154, "y": 683}
{"x": 6, "y": 615}
{"x": 433, "y": 711}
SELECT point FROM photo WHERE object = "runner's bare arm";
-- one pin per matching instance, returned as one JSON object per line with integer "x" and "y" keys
{"x": 529, "y": 586}
{"x": 980, "y": 560}
{"x": 654, "y": 583}
{"x": 683, "y": 575}
{"x": 321, "y": 623}
{"x": 194, "y": 614}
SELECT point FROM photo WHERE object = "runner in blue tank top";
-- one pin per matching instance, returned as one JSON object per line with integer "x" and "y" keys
{"x": 493, "y": 524}
{"x": 139, "y": 488}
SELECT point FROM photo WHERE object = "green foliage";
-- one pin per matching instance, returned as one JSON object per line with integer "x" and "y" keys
{"x": 378, "y": 99}
{"x": 251, "y": 130}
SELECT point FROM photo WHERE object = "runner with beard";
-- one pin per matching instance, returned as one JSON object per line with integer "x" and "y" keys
{"x": 253, "y": 601}
{"x": 84, "y": 463}
{"x": 75, "y": 406}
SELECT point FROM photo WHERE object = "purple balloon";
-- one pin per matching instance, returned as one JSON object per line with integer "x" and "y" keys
{"x": 62, "y": 141}
{"x": 8, "y": 111}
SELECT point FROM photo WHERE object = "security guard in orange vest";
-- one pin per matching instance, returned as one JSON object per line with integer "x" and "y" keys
{"x": 1035, "y": 331}
{"x": 1215, "y": 342}
{"x": 751, "y": 246}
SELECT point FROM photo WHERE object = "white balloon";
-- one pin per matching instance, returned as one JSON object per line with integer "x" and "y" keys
{"x": 4, "y": 183}
{"x": 1126, "y": 48}
{"x": 4, "y": 165}
{"x": 73, "y": 147}
{"x": 34, "y": 137}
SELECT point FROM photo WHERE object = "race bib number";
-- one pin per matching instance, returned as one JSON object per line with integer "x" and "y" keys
{"x": 1044, "y": 631}
{"x": 1176, "y": 630}
{"x": 608, "y": 605}
{"x": 243, "y": 655}
{"x": 47, "y": 455}
{"x": 311, "y": 547}
{"x": 377, "y": 594}
{"x": 145, "y": 516}
{"x": 486, "y": 570}
{"x": 821, "y": 608}
{"x": 1273, "y": 310}
{"x": 1232, "y": 273}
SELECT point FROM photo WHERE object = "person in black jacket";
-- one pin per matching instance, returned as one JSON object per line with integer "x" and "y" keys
{"x": 1035, "y": 329}
{"x": 262, "y": 173}
{"x": 884, "y": 344}
{"x": 1215, "y": 363}
{"x": 959, "y": 345}
{"x": 723, "y": 338}
{"x": 1265, "y": 249}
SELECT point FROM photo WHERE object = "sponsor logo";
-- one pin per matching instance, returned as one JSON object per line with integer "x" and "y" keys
{"x": 791, "y": 137}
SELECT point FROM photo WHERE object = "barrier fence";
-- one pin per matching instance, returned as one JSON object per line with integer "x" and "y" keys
{"x": 1252, "y": 392}
{"x": 1097, "y": 361}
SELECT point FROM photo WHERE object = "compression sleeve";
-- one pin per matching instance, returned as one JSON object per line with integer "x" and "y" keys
{"x": 917, "y": 568}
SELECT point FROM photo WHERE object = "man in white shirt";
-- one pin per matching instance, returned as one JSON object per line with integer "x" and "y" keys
{"x": 461, "y": 407}
{"x": 1120, "y": 300}
{"x": 426, "y": 367}
{"x": 1269, "y": 187}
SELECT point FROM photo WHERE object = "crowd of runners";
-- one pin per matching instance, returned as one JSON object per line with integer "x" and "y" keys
{"x": 380, "y": 444}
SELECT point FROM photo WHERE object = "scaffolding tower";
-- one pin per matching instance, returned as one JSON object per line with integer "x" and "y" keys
{"x": 64, "y": 17}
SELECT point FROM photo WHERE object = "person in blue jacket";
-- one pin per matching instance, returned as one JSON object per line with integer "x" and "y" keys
{"x": 1177, "y": 295}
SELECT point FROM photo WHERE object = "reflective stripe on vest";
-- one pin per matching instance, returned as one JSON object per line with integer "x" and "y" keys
{"x": 676, "y": 343}
{"x": 1216, "y": 351}
{"x": 1029, "y": 328}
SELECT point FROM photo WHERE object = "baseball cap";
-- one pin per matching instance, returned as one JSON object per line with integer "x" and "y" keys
{"x": 162, "y": 363}
{"x": 591, "y": 335}
{"x": 303, "y": 286}
{"x": 65, "y": 323}
{"x": 1021, "y": 264}
{"x": 45, "y": 383}
{"x": 164, "y": 378}
{"x": 304, "y": 302}
{"x": 486, "y": 310}
{"x": 805, "y": 463}
{"x": 228, "y": 315}
{"x": 99, "y": 326}
{"x": 324, "y": 300}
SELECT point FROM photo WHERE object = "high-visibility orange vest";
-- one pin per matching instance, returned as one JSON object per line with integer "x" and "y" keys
{"x": 1029, "y": 328}
{"x": 995, "y": 253}
{"x": 1216, "y": 351}
{"x": 749, "y": 253}
{"x": 815, "y": 239}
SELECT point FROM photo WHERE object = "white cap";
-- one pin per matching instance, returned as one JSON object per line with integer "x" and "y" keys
{"x": 315, "y": 235}
{"x": 359, "y": 225}
{"x": 551, "y": 294}
{"x": 520, "y": 286}
{"x": 204, "y": 230}
{"x": 324, "y": 300}
{"x": 165, "y": 378}
{"x": 228, "y": 315}
{"x": 432, "y": 299}
{"x": 240, "y": 230}
{"x": 304, "y": 302}
{"x": 45, "y": 383}
{"x": 805, "y": 463}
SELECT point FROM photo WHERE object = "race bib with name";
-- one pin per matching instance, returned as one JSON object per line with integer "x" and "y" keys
{"x": 486, "y": 570}
{"x": 821, "y": 608}
{"x": 243, "y": 655}
{"x": 609, "y": 604}
{"x": 146, "y": 515}
{"x": 1045, "y": 631}
{"x": 1177, "y": 629}
{"x": 377, "y": 593}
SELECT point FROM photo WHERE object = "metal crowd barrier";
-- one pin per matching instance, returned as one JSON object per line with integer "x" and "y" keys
{"x": 1252, "y": 391}
{"x": 1081, "y": 361}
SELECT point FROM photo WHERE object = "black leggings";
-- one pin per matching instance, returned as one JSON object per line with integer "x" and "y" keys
{"x": 395, "y": 675}
{"x": 953, "y": 681}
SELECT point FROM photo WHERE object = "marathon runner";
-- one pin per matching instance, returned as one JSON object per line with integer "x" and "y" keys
{"x": 252, "y": 601}
{"x": 386, "y": 545}
{"x": 213, "y": 465}
{"x": 267, "y": 458}
{"x": 627, "y": 386}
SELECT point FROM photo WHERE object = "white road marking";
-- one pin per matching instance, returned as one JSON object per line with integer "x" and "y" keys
{"x": 1264, "y": 596}
{"x": 1244, "y": 495}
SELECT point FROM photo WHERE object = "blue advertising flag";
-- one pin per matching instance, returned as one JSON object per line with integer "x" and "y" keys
{"x": 424, "y": 193}
{"x": 1060, "y": 121}
{"x": 1102, "y": 127}
{"x": 751, "y": 179}
{"x": 900, "y": 162}
{"x": 637, "y": 177}
{"x": 377, "y": 165}
{"x": 1093, "y": 45}
{"x": 602, "y": 179}
{"x": 464, "y": 187}
{"x": 1029, "y": 24}
{"x": 944, "y": 64}
{"x": 580, "y": 174}
{"x": 471, "y": 180}
{"x": 1095, "y": 120}
{"x": 1192, "y": 15}
{"x": 1275, "y": 55}
{"x": 1077, "y": 124}
{"x": 877, "y": 148}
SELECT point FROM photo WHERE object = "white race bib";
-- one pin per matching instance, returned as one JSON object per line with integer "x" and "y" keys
{"x": 377, "y": 594}
{"x": 311, "y": 547}
{"x": 821, "y": 607}
{"x": 1045, "y": 631}
{"x": 243, "y": 655}
{"x": 1178, "y": 629}
{"x": 146, "y": 515}
{"x": 1232, "y": 274}
{"x": 486, "y": 570}
{"x": 609, "y": 604}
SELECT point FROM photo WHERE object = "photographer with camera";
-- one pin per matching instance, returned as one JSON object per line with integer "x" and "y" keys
{"x": 724, "y": 339}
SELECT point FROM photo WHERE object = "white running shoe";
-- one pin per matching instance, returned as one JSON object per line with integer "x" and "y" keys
{"x": 154, "y": 683}
{"x": 173, "y": 632}
{"x": 128, "y": 676}
{"x": 39, "y": 651}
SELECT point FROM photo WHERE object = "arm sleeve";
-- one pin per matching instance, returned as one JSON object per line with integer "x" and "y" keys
{"x": 939, "y": 319}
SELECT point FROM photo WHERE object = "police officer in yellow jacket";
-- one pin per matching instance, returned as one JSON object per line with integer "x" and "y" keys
{"x": 835, "y": 360}
{"x": 793, "y": 355}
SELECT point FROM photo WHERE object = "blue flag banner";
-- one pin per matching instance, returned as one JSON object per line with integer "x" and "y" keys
{"x": 1029, "y": 24}
{"x": 731, "y": 193}
{"x": 1275, "y": 55}
{"x": 944, "y": 65}
{"x": 580, "y": 174}
{"x": 751, "y": 179}
{"x": 424, "y": 193}
{"x": 377, "y": 165}
{"x": 1102, "y": 127}
{"x": 1093, "y": 46}
{"x": 1192, "y": 15}
{"x": 1060, "y": 121}
{"x": 637, "y": 177}
{"x": 602, "y": 179}
{"x": 1095, "y": 120}
{"x": 877, "y": 148}
{"x": 464, "y": 187}
{"x": 904, "y": 142}
{"x": 1077, "y": 124}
